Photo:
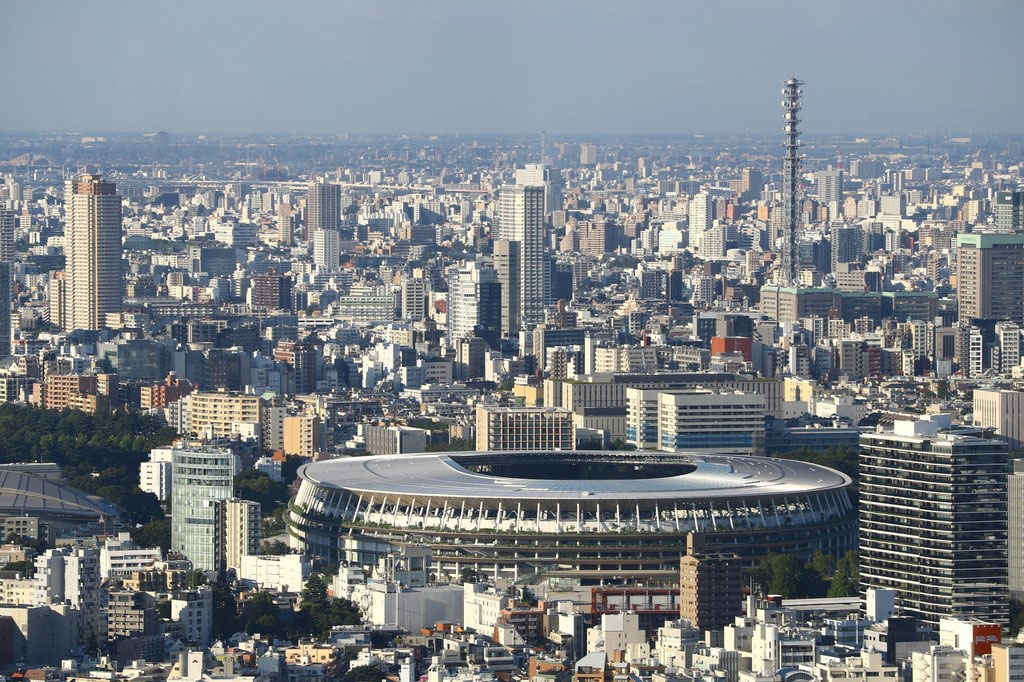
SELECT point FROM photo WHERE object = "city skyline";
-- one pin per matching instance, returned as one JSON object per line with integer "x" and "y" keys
{"x": 583, "y": 68}
{"x": 665, "y": 383}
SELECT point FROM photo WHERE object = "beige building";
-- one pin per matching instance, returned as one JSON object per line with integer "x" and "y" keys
{"x": 990, "y": 268}
{"x": 870, "y": 666}
{"x": 788, "y": 304}
{"x": 241, "y": 532}
{"x": 92, "y": 244}
{"x": 41, "y": 635}
{"x": 1003, "y": 411}
{"x": 58, "y": 299}
{"x": 302, "y": 436}
{"x": 710, "y": 586}
{"x": 394, "y": 440}
{"x": 523, "y": 428}
{"x": 625, "y": 359}
{"x": 1008, "y": 662}
{"x": 215, "y": 414}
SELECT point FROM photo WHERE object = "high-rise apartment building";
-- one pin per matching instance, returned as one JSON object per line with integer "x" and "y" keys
{"x": 302, "y": 435}
{"x": 272, "y": 291}
{"x": 394, "y": 440}
{"x": 241, "y": 532}
{"x": 543, "y": 175}
{"x": 751, "y": 183}
{"x": 92, "y": 239}
{"x": 474, "y": 302}
{"x": 830, "y": 185}
{"x": 414, "y": 298}
{"x": 326, "y": 249}
{"x": 5, "y": 309}
{"x": 710, "y": 586}
{"x": 8, "y": 223}
{"x": 847, "y": 245}
{"x": 1015, "y": 519}
{"x": 72, "y": 576}
{"x": 507, "y": 265}
{"x": 523, "y": 428}
{"x": 588, "y": 154}
{"x": 323, "y": 207}
{"x": 217, "y": 414}
{"x": 1009, "y": 210}
{"x": 285, "y": 236}
{"x": 302, "y": 358}
{"x": 521, "y": 220}
{"x": 699, "y": 211}
{"x": 202, "y": 480}
{"x": 990, "y": 276}
{"x": 933, "y": 519}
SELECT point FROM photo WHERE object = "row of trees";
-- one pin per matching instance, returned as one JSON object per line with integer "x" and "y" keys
{"x": 839, "y": 457}
{"x": 822, "y": 576}
{"x": 99, "y": 453}
{"x": 316, "y": 615}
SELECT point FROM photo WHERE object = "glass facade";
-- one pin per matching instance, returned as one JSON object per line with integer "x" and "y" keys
{"x": 200, "y": 481}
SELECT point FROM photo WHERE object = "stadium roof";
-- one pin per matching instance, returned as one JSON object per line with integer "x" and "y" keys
{"x": 22, "y": 494}
{"x": 440, "y": 475}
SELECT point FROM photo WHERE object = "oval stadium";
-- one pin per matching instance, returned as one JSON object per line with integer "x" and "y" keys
{"x": 586, "y": 517}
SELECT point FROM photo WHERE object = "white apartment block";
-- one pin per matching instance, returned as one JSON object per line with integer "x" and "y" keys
{"x": 524, "y": 428}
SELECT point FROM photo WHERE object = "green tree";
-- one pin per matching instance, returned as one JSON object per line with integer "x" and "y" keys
{"x": 842, "y": 584}
{"x": 275, "y": 548}
{"x": 142, "y": 507}
{"x": 290, "y": 468}
{"x": 845, "y": 582}
{"x": 259, "y": 487}
{"x": 785, "y": 575}
{"x": 195, "y": 579}
{"x": 95, "y": 451}
{"x": 319, "y": 613}
{"x": 262, "y": 615}
{"x": 225, "y": 612}
{"x": 364, "y": 673}
{"x": 153, "y": 534}
{"x": 823, "y": 563}
{"x": 841, "y": 458}
{"x": 25, "y": 568}
{"x": 1016, "y": 617}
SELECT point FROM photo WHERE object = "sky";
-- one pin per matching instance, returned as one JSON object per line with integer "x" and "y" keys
{"x": 514, "y": 66}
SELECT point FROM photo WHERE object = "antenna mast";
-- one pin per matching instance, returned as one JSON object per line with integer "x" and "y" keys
{"x": 791, "y": 180}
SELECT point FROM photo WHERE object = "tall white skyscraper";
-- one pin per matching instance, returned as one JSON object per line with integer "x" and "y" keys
{"x": 326, "y": 249}
{"x": 521, "y": 220}
{"x": 699, "y": 210}
{"x": 92, "y": 246}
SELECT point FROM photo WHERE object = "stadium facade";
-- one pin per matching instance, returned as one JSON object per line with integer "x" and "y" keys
{"x": 575, "y": 516}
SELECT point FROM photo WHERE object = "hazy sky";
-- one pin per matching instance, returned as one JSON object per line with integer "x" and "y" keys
{"x": 565, "y": 66}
